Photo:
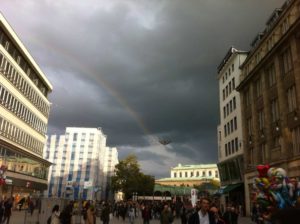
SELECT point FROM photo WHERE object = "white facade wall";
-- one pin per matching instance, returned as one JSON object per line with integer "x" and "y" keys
{"x": 232, "y": 138}
{"x": 78, "y": 163}
{"x": 195, "y": 172}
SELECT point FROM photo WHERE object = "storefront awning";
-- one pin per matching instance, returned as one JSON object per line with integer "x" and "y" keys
{"x": 230, "y": 187}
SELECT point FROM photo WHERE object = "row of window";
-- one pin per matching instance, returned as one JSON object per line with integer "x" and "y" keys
{"x": 231, "y": 147}
{"x": 228, "y": 73}
{"x": 18, "y": 81}
{"x": 230, "y": 106}
{"x": 20, "y": 163}
{"x": 21, "y": 61}
{"x": 21, "y": 111}
{"x": 230, "y": 127}
{"x": 197, "y": 174}
{"x": 19, "y": 136}
{"x": 229, "y": 88}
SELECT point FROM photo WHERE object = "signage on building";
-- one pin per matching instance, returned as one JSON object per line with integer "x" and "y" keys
{"x": 88, "y": 184}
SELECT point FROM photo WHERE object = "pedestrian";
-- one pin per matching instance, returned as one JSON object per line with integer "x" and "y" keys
{"x": 90, "y": 218}
{"x": 8, "y": 204}
{"x": 1, "y": 210}
{"x": 202, "y": 214}
{"x": 217, "y": 215}
{"x": 166, "y": 216}
{"x": 31, "y": 206}
{"x": 183, "y": 215}
{"x": 105, "y": 214}
{"x": 230, "y": 216}
{"x": 66, "y": 214}
{"x": 54, "y": 218}
{"x": 131, "y": 214}
{"x": 146, "y": 214}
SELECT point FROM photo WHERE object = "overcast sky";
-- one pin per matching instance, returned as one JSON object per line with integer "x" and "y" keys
{"x": 139, "y": 69}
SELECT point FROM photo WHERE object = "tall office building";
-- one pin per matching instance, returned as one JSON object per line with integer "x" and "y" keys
{"x": 82, "y": 164}
{"x": 270, "y": 96}
{"x": 24, "y": 112}
{"x": 230, "y": 138}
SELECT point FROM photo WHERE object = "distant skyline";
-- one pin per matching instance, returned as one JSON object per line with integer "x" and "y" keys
{"x": 141, "y": 70}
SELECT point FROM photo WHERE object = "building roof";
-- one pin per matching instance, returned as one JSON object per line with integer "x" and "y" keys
{"x": 228, "y": 55}
{"x": 198, "y": 166}
{"x": 22, "y": 48}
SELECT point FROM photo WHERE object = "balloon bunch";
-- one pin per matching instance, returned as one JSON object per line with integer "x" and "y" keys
{"x": 274, "y": 188}
{"x": 3, "y": 169}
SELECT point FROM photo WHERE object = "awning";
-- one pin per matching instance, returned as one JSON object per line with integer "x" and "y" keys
{"x": 226, "y": 189}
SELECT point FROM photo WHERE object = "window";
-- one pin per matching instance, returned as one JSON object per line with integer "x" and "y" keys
{"x": 175, "y": 175}
{"x": 274, "y": 110}
{"x": 216, "y": 174}
{"x": 235, "y": 123}
{"x": 192, "y": 174}
{"x": 223, "y": 94}
{"x": 180, "y": 174}
{"x": 230, "y": 87}
{"x": 296, "y": 140}
{"x": 291, "y": 98}
{"x": 224, "y": 112}
{"x": 247, "y": 97}
{"x": 236, "y": 144}
{"x": 225, "y": 130}
{"x": 186, "y": 174}
{"x": 258, "y": 87}
{"x": 197, "y": 174}
{"x": 271, "y": 75}
{"x": 203, "y": 174}
{"x": 226, "y": 91}
{"x": 276, "y": 142}
{"x": 263, "y": 153}
{"x": 233, "y": 84}
{"x": 231, "y": 125}
{"x": 249, "y": 126}
{"x": 286, "y": 61}
{"x": 230, "y": 106}
{"x": 234, "y": 103}
{"x": 226, "y": 150}
{"x": 229, "y": 148}
{"x": 209, "y": 173}
{"x": 261, "y": 120}
{"x": 75, "y": 137}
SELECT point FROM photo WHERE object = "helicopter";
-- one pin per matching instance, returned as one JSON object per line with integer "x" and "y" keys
{"x": 164, "y": 141}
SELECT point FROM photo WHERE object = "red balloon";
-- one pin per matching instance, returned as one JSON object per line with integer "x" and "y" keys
{"x": 263, "y": 170}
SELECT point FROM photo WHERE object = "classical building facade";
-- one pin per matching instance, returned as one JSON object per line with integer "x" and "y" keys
{"x": 82, "y": 164}
{"x": 191, "y": 175}
{"x": 270, "y": 96}
{"x": 230, "y": 137}
{"x": 24, "y": 112}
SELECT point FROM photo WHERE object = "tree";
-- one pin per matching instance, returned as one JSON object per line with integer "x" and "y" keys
{"x": 130, "y": 179}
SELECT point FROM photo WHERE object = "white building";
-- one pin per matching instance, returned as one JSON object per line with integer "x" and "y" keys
{"x": 230, "y": 139}
{"x": 24, "y": 112}
{"x": 82, "y": 163}
{"x": 190, "y": 175}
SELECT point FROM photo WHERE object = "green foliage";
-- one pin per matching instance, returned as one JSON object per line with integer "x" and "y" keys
{"x": 129, "y": 178}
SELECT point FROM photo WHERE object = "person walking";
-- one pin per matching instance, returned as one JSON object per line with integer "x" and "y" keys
{"x": 203, "y": 215}
{"x": 131, "y": 214}
{"x": 54, "y": 218}
{"x": 166, "y": 216}
{"x": 105, "y": 214}
{"x": 8, "y": 204}
{"x": 146, "y": 214}
{"x": 90, "y": 218}
{"x": 66, "y": 214}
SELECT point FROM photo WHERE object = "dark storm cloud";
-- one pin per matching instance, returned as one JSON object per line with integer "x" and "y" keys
{"x": 138, "y": 68}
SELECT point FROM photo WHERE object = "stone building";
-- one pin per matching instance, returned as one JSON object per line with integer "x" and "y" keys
{"x": 270, "y": 96}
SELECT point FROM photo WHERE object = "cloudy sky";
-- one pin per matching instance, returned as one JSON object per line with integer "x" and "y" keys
{"x": 141, "y": 70}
